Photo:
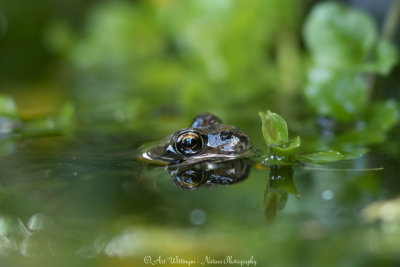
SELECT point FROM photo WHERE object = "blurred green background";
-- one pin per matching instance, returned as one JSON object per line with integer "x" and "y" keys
{"x": 93, "y": 80}
{"x": 136, "y": 62}
{"x": 141, "y": 64}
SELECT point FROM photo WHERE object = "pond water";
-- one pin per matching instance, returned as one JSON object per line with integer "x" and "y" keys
{"x": 86, "y": 200}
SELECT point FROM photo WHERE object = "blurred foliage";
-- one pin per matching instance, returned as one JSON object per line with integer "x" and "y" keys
{"x": 156, "y": 64}
{"x": 13, "y": 125}
{"x": 7, "y": 107}
{"x": 345, "y": 48}
{"x": 345, "y": 38}
{"x": 380, "y": 117}
{"x": 146, "y": 60}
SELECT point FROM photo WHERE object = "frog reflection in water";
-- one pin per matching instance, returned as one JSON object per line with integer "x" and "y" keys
{"x": 210, "y": 173}
{"x": 206, "y": 139}
{"x": 206, "y": 153}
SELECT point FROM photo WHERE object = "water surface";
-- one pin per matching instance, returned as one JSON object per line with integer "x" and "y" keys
{"x": 86, "y": 200}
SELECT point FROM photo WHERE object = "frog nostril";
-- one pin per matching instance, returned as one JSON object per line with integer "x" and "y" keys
{"x": 225, "y": 135}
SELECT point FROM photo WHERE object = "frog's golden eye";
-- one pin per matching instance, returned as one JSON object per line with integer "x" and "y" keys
{"x": 189, "y": 143}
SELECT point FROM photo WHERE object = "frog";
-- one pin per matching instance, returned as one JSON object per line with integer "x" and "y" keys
{"x": 205, "y": 139}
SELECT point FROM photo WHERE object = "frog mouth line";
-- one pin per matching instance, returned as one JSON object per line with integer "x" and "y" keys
{"x": 197, "y": 158}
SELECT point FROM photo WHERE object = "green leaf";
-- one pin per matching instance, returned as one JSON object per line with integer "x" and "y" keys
{"x": 284, "y": 154}
{"x": 342, "y": 95}
{"x": 274, "y": 128}
{"x": 329, "y": 156}
{"x": 338, "y": 36}
{"x": 291, "y": 146}
{"x": 8, "y": 107}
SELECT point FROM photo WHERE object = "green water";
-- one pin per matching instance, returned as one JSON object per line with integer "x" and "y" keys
{"x": 86, "y": 201}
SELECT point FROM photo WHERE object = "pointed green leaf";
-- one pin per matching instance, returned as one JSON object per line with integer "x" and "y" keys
{"x": 274, "y": 128}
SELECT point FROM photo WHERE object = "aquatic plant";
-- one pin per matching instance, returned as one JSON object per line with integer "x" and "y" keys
{"x": 284, "y": 151}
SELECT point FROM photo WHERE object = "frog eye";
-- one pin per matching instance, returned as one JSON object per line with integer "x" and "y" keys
{"x": 189, "y": 143}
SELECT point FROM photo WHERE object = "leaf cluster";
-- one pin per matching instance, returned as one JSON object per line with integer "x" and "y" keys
{"x": 346, "y": 51}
